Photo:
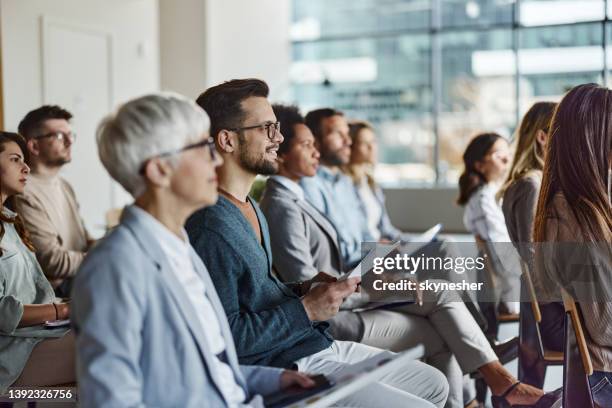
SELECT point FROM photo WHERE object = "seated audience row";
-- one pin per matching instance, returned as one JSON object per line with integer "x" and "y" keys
{"x": 270, "y": 323}
{"x": 145, "y": 308}
{"x": 306, "y": 243}
{"x": 192, "y": 271}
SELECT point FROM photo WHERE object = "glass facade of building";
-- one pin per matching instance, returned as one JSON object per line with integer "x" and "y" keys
{"x": 430, "y": 74}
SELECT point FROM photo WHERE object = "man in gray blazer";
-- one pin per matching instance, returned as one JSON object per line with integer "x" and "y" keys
{"x": 150, "y": 329}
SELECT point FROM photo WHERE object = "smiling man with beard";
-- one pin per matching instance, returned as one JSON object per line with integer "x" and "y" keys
{"x": 272, "y": 323}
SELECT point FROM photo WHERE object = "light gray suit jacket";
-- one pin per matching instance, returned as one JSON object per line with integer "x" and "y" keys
{"x": 139, "y": 342}
{"x": 304, "y": 242}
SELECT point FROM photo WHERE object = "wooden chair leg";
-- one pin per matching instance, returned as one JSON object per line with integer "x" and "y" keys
{"x": 481, "y": 390}
{"x": 533, "y": 374}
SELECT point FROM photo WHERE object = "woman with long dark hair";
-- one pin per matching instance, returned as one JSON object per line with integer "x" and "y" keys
{"x": 30, "y": 355}
{"x": 486, "y": 160}
{"x": 573, "y": 222}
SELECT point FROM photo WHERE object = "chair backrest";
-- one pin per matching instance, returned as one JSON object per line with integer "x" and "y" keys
{"x": 482, "y": 246}
{"x": 577, "y": 365}
{"x": 533, "y": 299}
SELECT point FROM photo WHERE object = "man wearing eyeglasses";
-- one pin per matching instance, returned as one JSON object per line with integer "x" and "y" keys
{"x": 49, "y": 207}
{"x": 272, "y": 323}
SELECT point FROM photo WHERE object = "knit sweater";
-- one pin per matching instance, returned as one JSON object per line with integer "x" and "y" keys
{"x": 268, "y": 321}
{"x": 50, "y": 212}
{"x": 584, "y": 270}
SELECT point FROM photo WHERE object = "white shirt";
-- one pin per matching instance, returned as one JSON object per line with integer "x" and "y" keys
{"x": 177, "y": 252}
{"x": 483, "y": 215}
{"x": 372, "y": 207}
{"x": 294, "y": 187}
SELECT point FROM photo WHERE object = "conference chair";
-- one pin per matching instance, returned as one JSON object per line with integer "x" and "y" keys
{"x": 492, "y": 313}
{"x": 577, "y": 365}
{"x": 534, "y": 358}
{"x": 492, "y": 316}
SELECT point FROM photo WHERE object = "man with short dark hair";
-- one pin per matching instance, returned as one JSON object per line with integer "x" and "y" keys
{"x": 48, "y": 206}
{"x": 270, "y": 323}
{"x": 331, "y": 191}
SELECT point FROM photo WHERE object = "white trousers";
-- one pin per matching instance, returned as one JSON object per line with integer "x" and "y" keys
{"x": 416, "y": 385}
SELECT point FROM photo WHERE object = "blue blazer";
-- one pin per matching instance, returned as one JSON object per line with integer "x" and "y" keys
{"x": 138, "y": 340}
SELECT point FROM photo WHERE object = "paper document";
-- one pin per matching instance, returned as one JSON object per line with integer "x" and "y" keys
{"x": 367, "y": 262}
{"x": 421, "y": 240}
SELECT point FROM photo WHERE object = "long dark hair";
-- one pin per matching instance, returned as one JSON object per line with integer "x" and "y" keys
{"x": 7, "y": 137}
{"x": 471, "y": 179}
{"x": 578, "y": 160}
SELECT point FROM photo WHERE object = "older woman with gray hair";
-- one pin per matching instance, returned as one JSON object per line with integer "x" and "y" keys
{"x": 145, "y": 310}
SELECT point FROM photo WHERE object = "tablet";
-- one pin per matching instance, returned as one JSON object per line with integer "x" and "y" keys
{"x": 57, "y": 323}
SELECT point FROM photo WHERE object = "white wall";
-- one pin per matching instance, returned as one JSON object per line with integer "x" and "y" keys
{"x": 133, "y": 29}
{"x": 249, "y": 39}
{"x": 183, "y": 46}
{"x": 205, "y": 42}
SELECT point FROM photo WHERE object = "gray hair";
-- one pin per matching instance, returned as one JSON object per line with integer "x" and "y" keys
{"x": 144, "y": 128}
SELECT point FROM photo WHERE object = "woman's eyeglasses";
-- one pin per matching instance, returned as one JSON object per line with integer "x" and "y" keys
{"x": 210, "y": 142}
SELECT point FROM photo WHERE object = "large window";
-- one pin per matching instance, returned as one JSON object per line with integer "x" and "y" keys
{"x": 430, "y": 74}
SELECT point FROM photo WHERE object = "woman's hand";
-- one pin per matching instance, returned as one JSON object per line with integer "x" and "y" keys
{"x": 63, "y": 311}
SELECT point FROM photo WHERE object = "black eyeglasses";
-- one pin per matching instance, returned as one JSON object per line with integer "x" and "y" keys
{"x": 210, "y": 142}
{"x": 60, "y": 136}
{"x": 271, "y": 128}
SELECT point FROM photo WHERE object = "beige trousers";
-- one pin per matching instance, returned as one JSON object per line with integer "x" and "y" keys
{"x": 453, "y": 341}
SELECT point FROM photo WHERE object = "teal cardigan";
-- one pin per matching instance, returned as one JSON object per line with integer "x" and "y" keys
{"x": 268, "y": 322}
{"x": 22, "y": 282}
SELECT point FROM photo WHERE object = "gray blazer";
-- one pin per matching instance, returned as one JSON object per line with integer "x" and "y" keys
{"x": 519, "y": 207}
{"x": 138, "y": 340}
{"x": 304, "y": 242}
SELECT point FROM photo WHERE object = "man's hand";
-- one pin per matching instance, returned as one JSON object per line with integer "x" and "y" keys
{"x": 323, "y": 301}
{"x": 294, "y": 378}
{"x": 320, "y": 277}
